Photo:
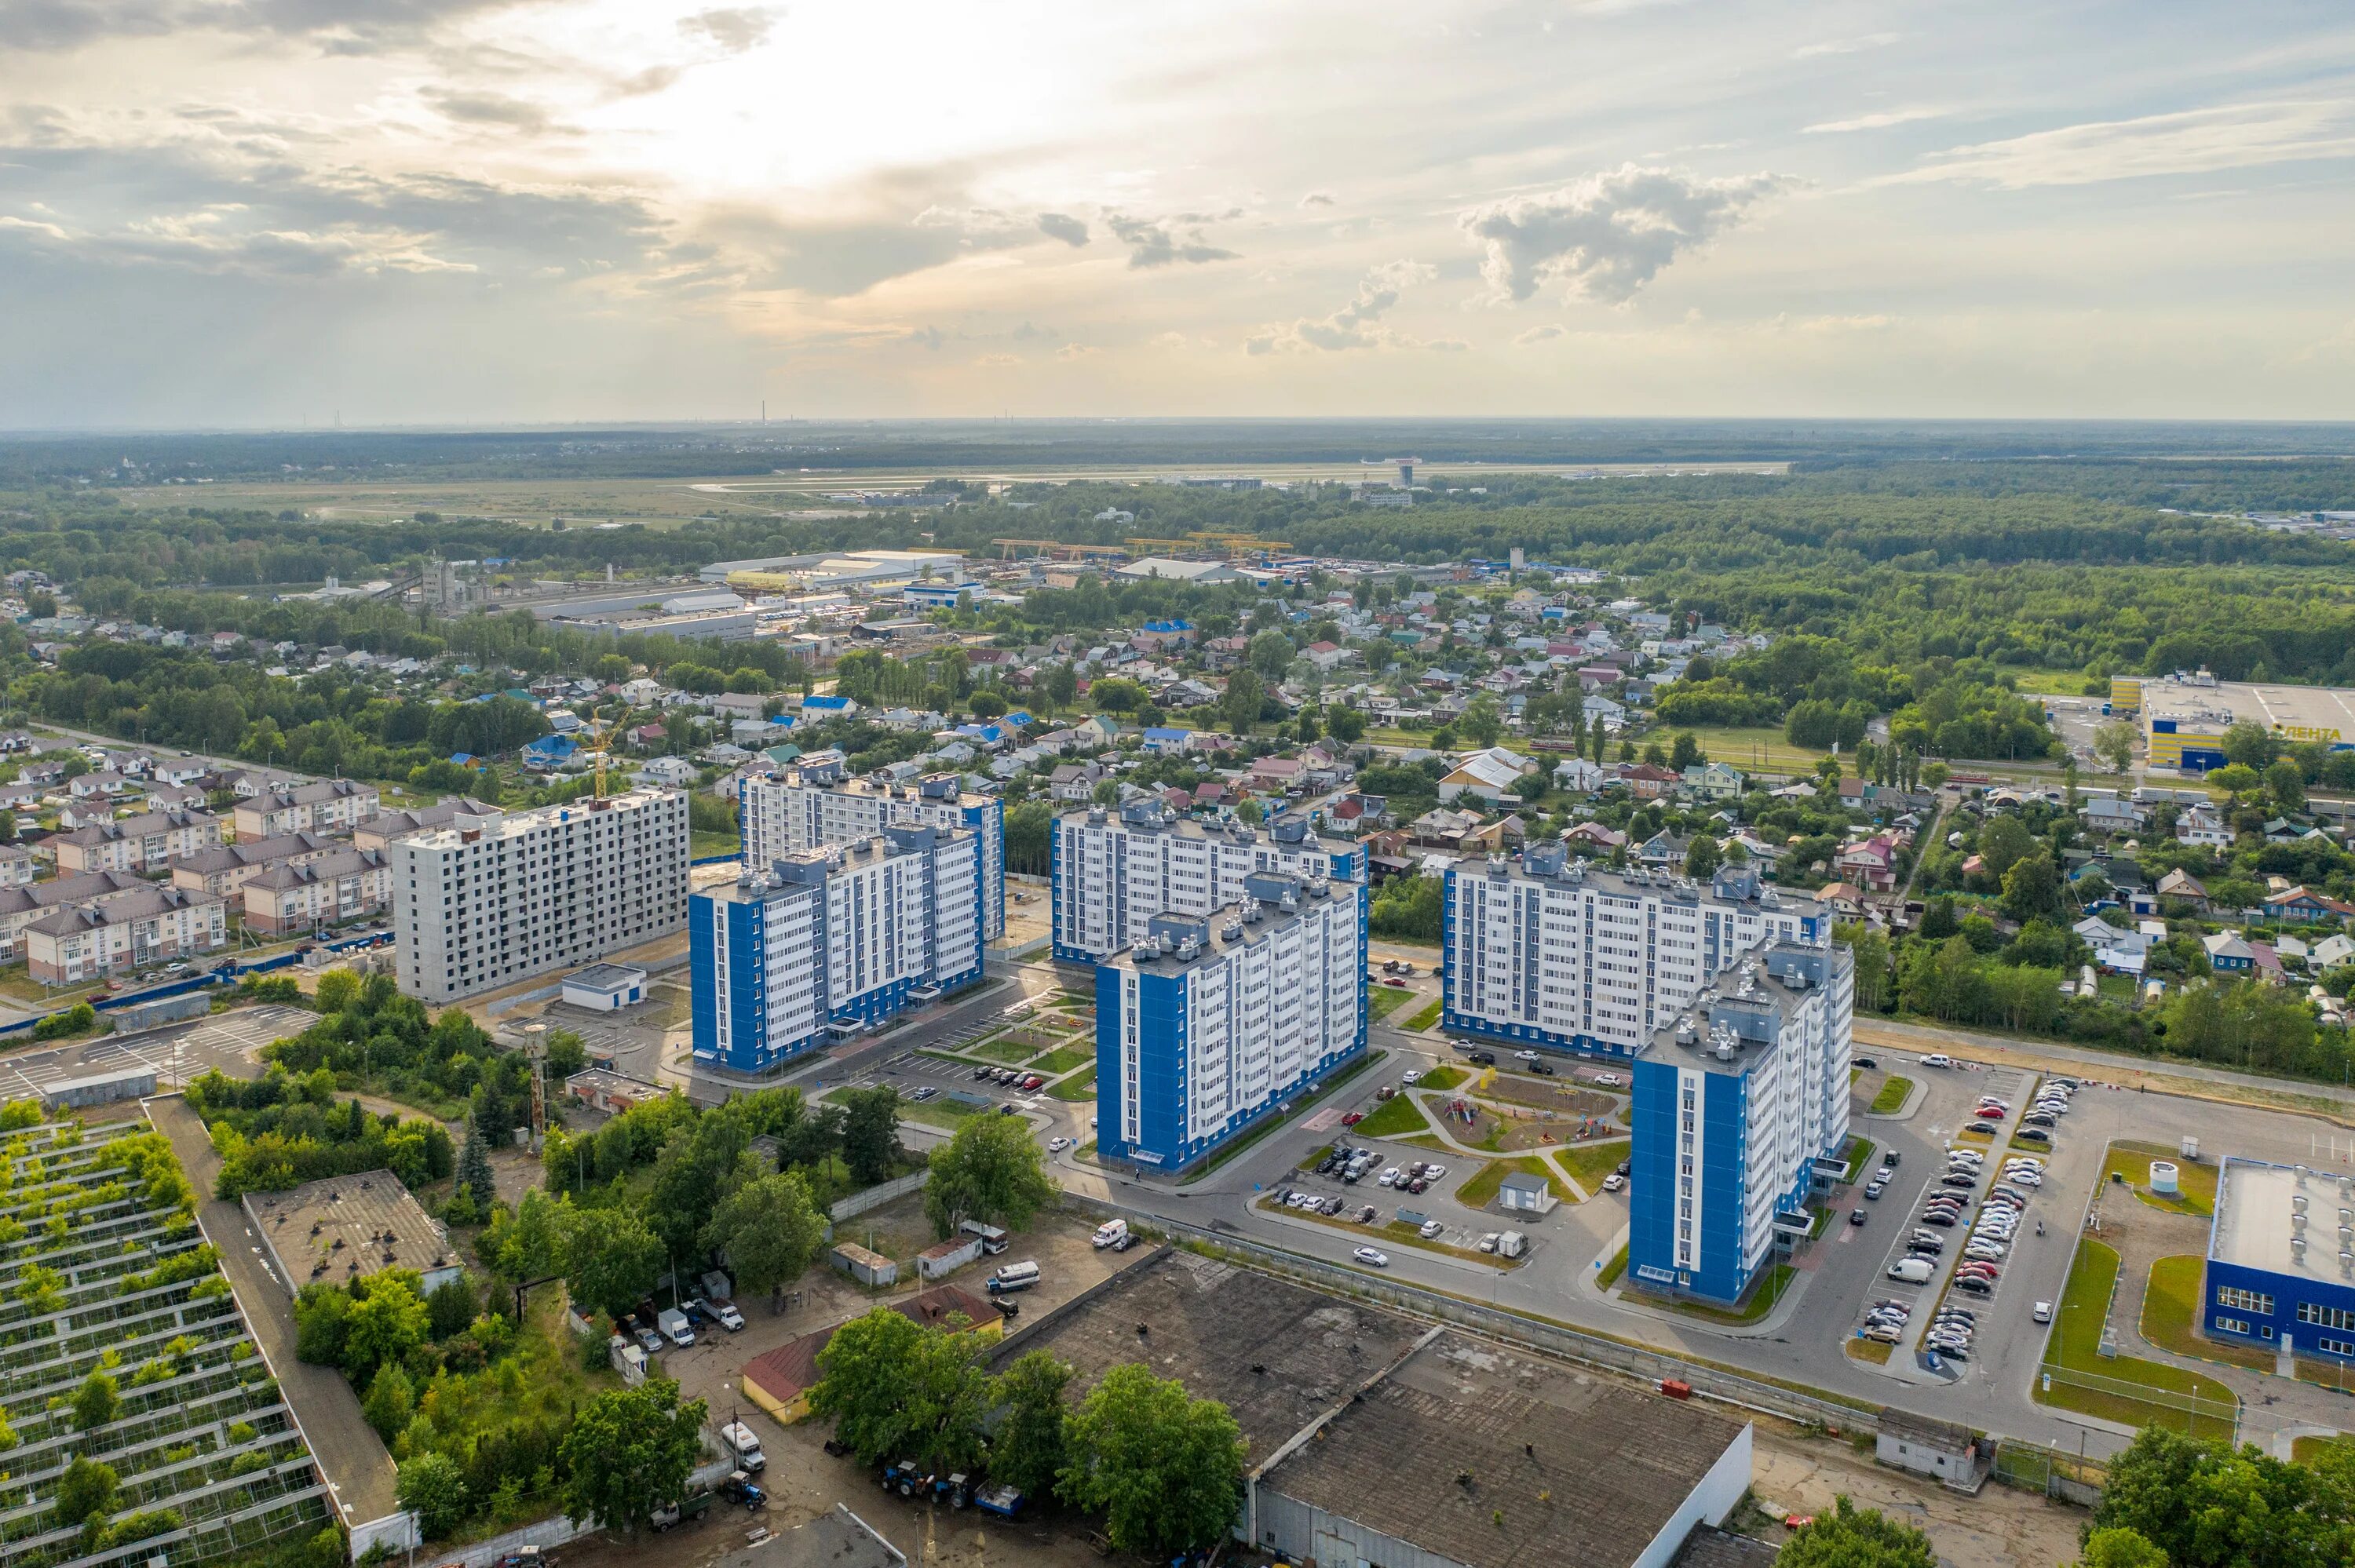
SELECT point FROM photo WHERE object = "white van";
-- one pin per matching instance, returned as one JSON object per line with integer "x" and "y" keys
{"x": 1912, "y": 1271}
{"x": 1938, "y": 1059}
{"x": 739, "y": 1439}
{"x": 1112, "y": 1233}
{"x": 1014, "y": 1276}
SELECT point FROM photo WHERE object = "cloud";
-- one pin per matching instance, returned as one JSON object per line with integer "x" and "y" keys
{"x": 1879, "y": 122}
{"x": 1844, "y": 45}
{"x": 1160, "y": 243}
{"x": 1318, "y": 199}
{"x": 1077, "y": 351}
{"x": 1608, "y": 235}
{"x": 930, "y": 337}
{"x": 336, "y": 26}
{"x": 2191, "y": 142}
{"x": 1356, "y": 324}
{"x": 998, "y": 361}
{"x": 1063, "y": 227}
{"x": 733, "y": 28}
{"x": 487, "y": 109}
{"x": 1536, "y": 335}
{"x": 1030, "y": 332}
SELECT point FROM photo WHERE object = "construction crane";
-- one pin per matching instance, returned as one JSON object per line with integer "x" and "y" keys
{"x": 1237, "y": 545}
{"x": 600, "y": 733}
{"x": 1007, "y": 548}
{"x": 1158, "y": 546}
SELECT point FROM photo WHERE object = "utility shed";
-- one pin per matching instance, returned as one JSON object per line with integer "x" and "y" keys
{"x": 1939, "y": 1448}
{"x": 1514, "y": 1461}
{"x": 869, "y": 1268}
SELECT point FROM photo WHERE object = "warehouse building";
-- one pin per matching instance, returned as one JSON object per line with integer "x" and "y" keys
{"x": 1553, "y": 955}
{"x": 1212, "y": 1021}
{"x": 341, "y": 1228}
{"x": 493, "y": 899}
{"x": 830, "y": 942}
{"x": 2281, "y": 1260}
{"x": 2184, "y": 715}
{"x": 1740, "y": 1112}
{"x": 815, "y": 804}
{"x": 1113, "y": 872}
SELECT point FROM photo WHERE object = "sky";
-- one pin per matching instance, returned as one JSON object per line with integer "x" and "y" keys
{"x": 258, "y": 213}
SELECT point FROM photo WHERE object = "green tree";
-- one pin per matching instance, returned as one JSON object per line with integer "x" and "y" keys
{"x": 391, "y": 1402}
{"x": 1851, "y": 1537}
{"x": 2285, "y": 782}
{"x": 1028, "y": 1450}
{"x": 338, "y": 989}
{"x": 2119, "y": 1547}
{"x": 432, "y": 1486}
{"x": 1270, "y": 655}
{"x": 628, "y": 1453}
{"x": 1481, "y": 723}
{"x": 2239, "y": 781}
{"x": 1872, "y": 978}
{"x": 611, "y": 1258}
{"x": 2031, "y": 888}
{"x": 987, "y": 706}
{"x": 85, "y": 1491}
{"x": 384, "y": 1324}
{"x": 2205, "y": 1505}
{"x": 863, "y": 1373}
{"x": 474, "y": 1176}
{"x": 1686, "y": 752}
{"x": 527, "y": 1242}
{"x": 97, "y": 1401}
{"x": 1346, "y": 724}
{"x": 769, "y": 1230}
{"x": 1701, "y": 858}
{"x": 2249, "y": 745}
{"x": 2004, "y": 840}
{"x": 1165, "y": 1471}
{"x": 2114, "y": 743}
{"x": 1240, "y": 703}
{"x": 993, "y": 1170}
{"x": 871, "y": 1133}
{"x": 322, "y": 1319}
{"x": 452, "y": 1307}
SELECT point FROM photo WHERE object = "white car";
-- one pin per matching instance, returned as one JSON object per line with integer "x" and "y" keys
{"x": 1525, "y": 1055}
{"x": 1488, "y": 1242}
{"x": 1409, "y": 1078}
{"x": 1430, "y": 1229}
{"x": 2044, "y": 1311}
{"x": 1613, "y": 1183}
{"x": 1609, "y": 1080}
{"x": 1388, "y": 1177}
{"x": 1938, "y": 1059}
{"x": 1372, "y": 1258}
{"x": 1434, "y": 1173}
{"x": 1056, "y": 1145}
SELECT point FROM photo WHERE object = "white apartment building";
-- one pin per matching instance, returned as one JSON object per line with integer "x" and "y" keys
{"x": 149, "y": 925}
{"x": 1551, "y": 954}
{"x": 814, "y": 805}
{"x": 828, "y": 942}
{"x": 1113, "y": 872}
{"x": 148, "y": 841}
{"x": 497, "y": 898}
{"x": 16, "y": 867}
{"x": 322, "y": 891}
{"x": 329, "y": 806}
{"x": 20, "y": 907}
{"x": 1208, "y": 1022}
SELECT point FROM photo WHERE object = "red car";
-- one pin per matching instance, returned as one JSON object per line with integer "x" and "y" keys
{"x": 1353, "y": 1119}
{"x": 1033, "y": 1082}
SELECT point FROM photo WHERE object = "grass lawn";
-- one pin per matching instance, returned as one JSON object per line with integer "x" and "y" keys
{"x": 1859, "y": 1154}
{"x": 1086, "y": 1150}
{"x": 1756, "y": 749}
{"x": 1442, "y": 1078}
{"x": 1300, "y": 1104}
{"x": 938, "y": 1111}
{"x": 1892, "y": 1095}
{"x": 1382, "y": 1001}
{"x": 1394, "y": 1118}
{"x": 1424, "y": 1019}
{"x": 1614, "y": 1269}
{"x": 1763, "y": 1298}
{"x": 2170, "y": 1307}
{"x": 701, "y": 844}
{"x": 1062, "y": 1059}
{"x": 2197, "y": 1180}
{"x": 1873, "y": 1351}
{"x": 2075, "y": 1347}
{"x": 1591, "y": 1162}
{"x": 1480, "y": 1189}
{"x": 1004, "y": 1048}
{"x": 2306, "y": 1450}
{"x": 2056, "y": 682}
{"x": 1079, "y": 1086}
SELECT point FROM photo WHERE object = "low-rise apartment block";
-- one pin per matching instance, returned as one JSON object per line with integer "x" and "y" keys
{"x": 325, "y": 890}
{"x": 830, "y": 942}
{"x": 1113, "y": 872}
{"x": 20, "y": 907}
{"x": 814, "y": 805}
{"x": 222, "y": 871}
{"x": 149, "y": 841}
{"x": 329, "y": 806}
{"x": 496, "y": 898}
{"x": 16, "y": 866}
{"x": 1209, "y": 1023}
{"x": 149, "y": 925}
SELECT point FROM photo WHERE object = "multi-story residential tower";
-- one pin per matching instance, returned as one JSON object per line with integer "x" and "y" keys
{"x": 1211, "y": 1021}
{"x": 1116, "y": 870}
{"x": 497, "y": 897}
{"x": 1741, "y": 1109}
{"x": 830, "y": 941}
{"x": 812, "y": 806}
{"x": 1552, "y": 955}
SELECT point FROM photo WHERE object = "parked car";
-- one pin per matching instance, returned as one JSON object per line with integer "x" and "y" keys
{"x": 2032, "y": 1135}
{"x": 2043, "y": 1313}
{"x": 1430, "y": 1229}
{"x": 1613, "y": 1183}
{"x": 1372, "y": 1258}
{"x": 1856, "y": 1216}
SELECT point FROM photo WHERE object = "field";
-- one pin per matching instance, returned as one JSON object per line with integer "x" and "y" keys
{"x": 2169, "y": 1308}
{"x": 2120, "y": 1388}
{"x": 1078, "y": 1086}
{"x": 1063, "y": 1059}
{"x": 1591, "y": 1162}
{"x": 1394, "y": 1118}
{"x": 1442, "y": 1078}
{"x": 1382, "y": 1001}
{"x": 2196, "y": 1180}
{"x": 1756, "y": 750}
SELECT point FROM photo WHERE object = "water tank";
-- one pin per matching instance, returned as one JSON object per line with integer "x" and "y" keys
{"x": 2163, "y": 1183}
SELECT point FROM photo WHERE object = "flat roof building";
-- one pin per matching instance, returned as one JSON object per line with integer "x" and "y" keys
{"x": 818, "y": 803}
{"x": 2184, "y": 715}
{"x": 1115, "y": 871}
{"x": 2281, "y": 1260}
{"x": 339, "y": 1228}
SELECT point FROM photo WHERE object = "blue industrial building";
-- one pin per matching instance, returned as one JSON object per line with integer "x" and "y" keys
{"x": 2281, "y": 1260}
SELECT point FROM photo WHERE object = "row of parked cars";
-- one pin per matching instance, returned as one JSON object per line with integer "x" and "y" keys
{"x": 1012, "y": 1077}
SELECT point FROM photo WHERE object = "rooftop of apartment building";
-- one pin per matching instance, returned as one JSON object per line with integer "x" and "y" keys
{"x": 1742, "y": 1015}
{"x": 467, "y": 827}
{"x": 1272, "y": 901}
{"x": 1551, "y": 860}
{"x": 1153, "y": 816}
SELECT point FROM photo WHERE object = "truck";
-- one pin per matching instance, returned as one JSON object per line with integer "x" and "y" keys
{"x": 738, "y": 1439}
{"x": 993, "y": 1240}
{"x": 1512, "y": 1244}
{"x": 694, "y": 1506}
{"x": 1005, "y": 1503}
{"x": 1112, "y": 1233}
{"x": 740, "y": 1487}
{"x": 675, "y": 1327}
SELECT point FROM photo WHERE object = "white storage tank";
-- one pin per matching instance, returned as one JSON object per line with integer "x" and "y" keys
{"x": 2163, "y": 1183}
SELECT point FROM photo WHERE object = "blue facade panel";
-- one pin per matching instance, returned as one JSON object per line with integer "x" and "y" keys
{"x": 1652, "y": 1176}
{"x": 2260, "y": 1308}
{"x": 702, "y": 979}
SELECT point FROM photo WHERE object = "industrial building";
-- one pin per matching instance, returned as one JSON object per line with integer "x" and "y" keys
{"x": 1554, "y": 954}
{"x": 2281, "y": 1259}
{"x": 815, "y": 804}
{"x": 341, "y": 1228}
{"x": 828, "y": 942}
{"x": 829, "y": 571}
{"x": 494, "y": 898}
{"x": 1209, "y": 1023}
{"x": 1113, "y": 872}
{"x": 2184, "y": 717}
{"x": 1740, "y": 1111}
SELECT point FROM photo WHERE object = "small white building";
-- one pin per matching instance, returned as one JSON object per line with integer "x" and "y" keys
{"x": 605, "y": 988}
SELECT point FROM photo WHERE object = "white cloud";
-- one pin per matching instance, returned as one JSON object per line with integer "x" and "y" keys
{"x": 1608, "y": 235}
{"x": 1844, "y": 45}
{"x": 1159, "y": 242}
{"x": 2191, "y": 142}
{"x": 733, "y": 28}
{"x": 1536, "y": 334}
{"x": 1077, "y": 351}
{"x": 1061, "y": 225}
{"x": 1880, "y": 121}
{"x": 1317, "y": 198}
{"x": 1356, "y": 324}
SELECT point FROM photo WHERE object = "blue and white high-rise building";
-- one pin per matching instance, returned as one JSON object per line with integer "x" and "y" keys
{"x": 830, "y": 941}
{"x": 1115, "y": 871}
{"x": 814, "y": 805}
{"x": 1741, "y": 1109}
{"x": 1209, "y": 1023}
{"x": 1552, "y": 955}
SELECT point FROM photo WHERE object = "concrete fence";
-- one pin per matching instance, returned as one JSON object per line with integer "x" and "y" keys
{"x": 882, "y": 1192}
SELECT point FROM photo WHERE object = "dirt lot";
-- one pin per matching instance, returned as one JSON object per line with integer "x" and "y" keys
{"x": 1540, "y": 1095}
{"x": 2001, "y": 1527}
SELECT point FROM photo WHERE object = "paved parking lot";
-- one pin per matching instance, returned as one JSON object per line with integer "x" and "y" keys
{"x": 175, "y": 1053}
